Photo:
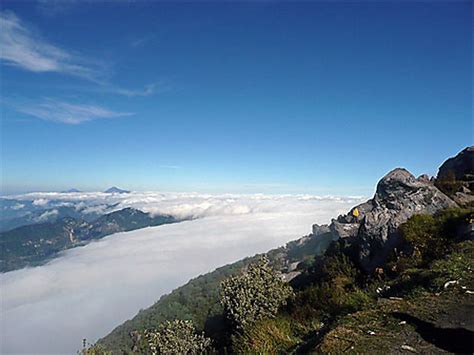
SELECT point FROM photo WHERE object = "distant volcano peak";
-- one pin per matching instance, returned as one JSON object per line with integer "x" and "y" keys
{"x": 115, "y": 189}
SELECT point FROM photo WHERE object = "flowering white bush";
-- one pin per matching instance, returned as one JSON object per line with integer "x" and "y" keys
{"x": 254, "y": 295}
{"x": 173, "y": 337}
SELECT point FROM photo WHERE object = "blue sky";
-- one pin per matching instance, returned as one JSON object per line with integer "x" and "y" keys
{"x": 273, "y": 97}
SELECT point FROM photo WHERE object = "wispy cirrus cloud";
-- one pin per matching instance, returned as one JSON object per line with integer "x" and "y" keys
{"x": 140, "y": 42}
{"x": 146, "y": 91}
{"x": 64, "y": 112}
{"x": 25, "y": 49}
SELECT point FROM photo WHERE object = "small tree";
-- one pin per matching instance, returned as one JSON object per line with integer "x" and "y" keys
{"x": 172, "y": 337}
{"x": 254, "y": 295}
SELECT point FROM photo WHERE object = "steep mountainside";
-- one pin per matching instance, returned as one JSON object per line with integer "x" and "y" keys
{"x": 31, "y": 214}
{"x": 332, "y": 272}
{"x": 34, "y": 244}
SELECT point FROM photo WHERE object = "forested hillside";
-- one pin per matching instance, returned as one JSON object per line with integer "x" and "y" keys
{"x": 35, "y": 244}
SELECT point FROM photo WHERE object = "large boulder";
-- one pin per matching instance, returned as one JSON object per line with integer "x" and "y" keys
{"x": 456, "y": 177}
{"x": 461, "y": 166}
{"x": 372, "y": 233}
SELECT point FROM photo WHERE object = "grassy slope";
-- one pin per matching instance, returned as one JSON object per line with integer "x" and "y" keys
{"x": 386, "y": 328}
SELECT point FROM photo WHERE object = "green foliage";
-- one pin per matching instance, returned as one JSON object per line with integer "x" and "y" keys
{"x": 334, "y": 290}
{"x": 420, "y": 231}
{"x": 94, "y": 349}
{"x": 330, "y": 288}
{"x": 457, "y": 266}
{"x": 358, "y": 300}
{"x": 198, "y": 300}
{"x": 37, "y": 243}
{"x": 432, "y": 237}
{"x": 256, "y": 294}
{"x": 172, "y": 337}
{"x": 420, "y": 292}
{"x": 271, "y": 335}
{"x": 438, "y": 253}
{"x": 339, "y": 267}
{"x": 329, "y": 299}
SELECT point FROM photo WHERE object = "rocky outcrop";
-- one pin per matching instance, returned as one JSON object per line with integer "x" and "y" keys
{"x": 370, "y": 230}
{"x": 461, "y": 166}
{"x": 456, "y": 177}
{"x": 373, "y": 232}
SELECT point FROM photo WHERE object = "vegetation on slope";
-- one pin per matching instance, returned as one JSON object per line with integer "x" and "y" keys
{"x": 335, "y": 307}
{"x": 34, "y": 244}
{"x": 427, "y": 310}
{"x": 433, "y": 267}
{"x": 172, "y": 337}
{"x": 256, "y": 294}
{"x": 197, "y": 301}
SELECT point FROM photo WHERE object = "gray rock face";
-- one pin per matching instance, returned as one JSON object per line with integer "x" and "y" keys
{"x": 456, "y": 177}
{"x": 320, "y": 229}
{"x": 373, "y": 233}
{"x": 462, "y": 166}
{"x": 424, "y": 178}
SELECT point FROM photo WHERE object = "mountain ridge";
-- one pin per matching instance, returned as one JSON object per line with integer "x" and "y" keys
{"x": 34, "y": 244}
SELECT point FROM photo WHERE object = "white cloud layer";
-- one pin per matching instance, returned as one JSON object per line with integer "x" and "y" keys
{"x": 64, "y": 112}
{"x": 184, "y": 205}
{"x": 89, "y": 290}
{"x": 45, "y": 215}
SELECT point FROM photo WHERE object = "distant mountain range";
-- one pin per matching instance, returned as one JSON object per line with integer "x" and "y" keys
{"x": 35, "y": 244}
{"x": 110, "y": 190}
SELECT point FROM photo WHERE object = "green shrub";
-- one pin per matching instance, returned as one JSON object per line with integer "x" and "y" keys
{"x": 457, "y": 266}
{"x": 339, "y": 267}
{"x": 432, "y": 237}
{"x": 256, "y": 294}
{"x": 172, "y": 337}
{"x": 334, "y": 291}
{"x": 420, "y": 231}
{"x": 267, "y": 336}
{"x": 330, "y": 299}
{"x": 358, "y": 300}
{"x": 94, "y": 349}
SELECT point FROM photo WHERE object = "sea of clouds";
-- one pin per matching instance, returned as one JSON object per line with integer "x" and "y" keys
{"x": 89, "y": 290}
